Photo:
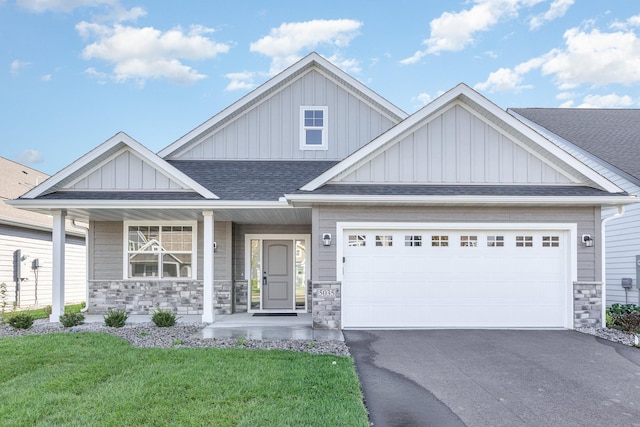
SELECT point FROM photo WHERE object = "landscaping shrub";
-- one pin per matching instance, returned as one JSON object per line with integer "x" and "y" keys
{"x": 163, "y": 318}
{"x": 72, "y": 319}
{"x": 116, "y": 318}
{"x": 21, "y": 321}
{"x": 625, "y": 317}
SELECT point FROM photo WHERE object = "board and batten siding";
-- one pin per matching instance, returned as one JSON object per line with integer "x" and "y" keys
{"x": 270, "y": 130}
{"x": 107, "y": 250}
{"x": 126, "y": 172}
{"x": 456, "y": 147}
{"x": 325, "y": 219}
{"x": 37, "y": 244}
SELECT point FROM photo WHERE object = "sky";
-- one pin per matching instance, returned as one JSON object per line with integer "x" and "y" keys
{"x": 73, "y": 73}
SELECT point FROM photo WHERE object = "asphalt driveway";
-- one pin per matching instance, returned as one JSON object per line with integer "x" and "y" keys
{"x": 496, "y": 378}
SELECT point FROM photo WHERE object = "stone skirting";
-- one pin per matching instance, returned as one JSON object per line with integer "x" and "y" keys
{"x": 241, "y": 296}
{"x": 587, "y": 304}
{"x": 142, "y": 297}
{"x": 326, "y": 305}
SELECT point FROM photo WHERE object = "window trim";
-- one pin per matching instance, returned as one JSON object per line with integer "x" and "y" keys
{"x": 325, "y": 126}
{"x": 160, "y": 224}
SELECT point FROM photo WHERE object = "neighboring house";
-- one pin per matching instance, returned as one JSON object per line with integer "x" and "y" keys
{"x": 25, "y": 246}
{"x": 314, "y": 193}
{"x": 608, "y": 140}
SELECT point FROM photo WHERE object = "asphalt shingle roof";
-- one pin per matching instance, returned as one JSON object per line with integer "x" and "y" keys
{"x": 458, "y": 190}
{"x": 613, "y": 135}
{"x": 252, "y": 180}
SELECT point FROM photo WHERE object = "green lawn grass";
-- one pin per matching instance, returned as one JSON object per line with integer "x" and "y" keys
{"x": 93, "y": 379}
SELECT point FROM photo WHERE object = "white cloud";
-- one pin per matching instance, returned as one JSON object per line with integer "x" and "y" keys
{"x": 423, "y": 99}
{"x": 595, "y": 58}
{"x": 17, "y": 66}
{"x": 60, "y": 5}
{"x": 591, "y": 58}
{"x": 455, "y": 31}
{"x": 46, "y": 78}
{"x": 634, "y": 21}
{"x": 557, "y": 9}
{"x": 29, "y": 156}
{"x": 144, "y": 53}
{"x": 606, "y": 101}
{"x": 284, "y": 44}
{"x": 241, "y": 81}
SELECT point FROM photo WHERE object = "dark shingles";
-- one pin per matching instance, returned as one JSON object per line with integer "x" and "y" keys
{"x": 122, "y": 195}
{"x": 613, "y": 135}
{"x": 458, "y": 190}
{"x": 252, "y": 180}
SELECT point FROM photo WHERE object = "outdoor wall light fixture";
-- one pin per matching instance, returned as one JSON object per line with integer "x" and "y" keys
{"x": 326, "y": 239}
{"x": 587, "y": 240}
{"x": 215, "y": 246}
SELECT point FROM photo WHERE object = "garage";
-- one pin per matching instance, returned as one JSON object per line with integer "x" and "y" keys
{"x": 454, "y": 276}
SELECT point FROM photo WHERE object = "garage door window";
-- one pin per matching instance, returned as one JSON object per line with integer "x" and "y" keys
{"x": 384, "y": 240}
{"x": 357, "y": 240}
{"x": 550, "y": 241}
{"x": 439, "y": 240}
{"x": 468, "y": 241}
{"x": 413, "y": 240}
{"x": 495, "y": 241}
{"x": 524, "y": 241}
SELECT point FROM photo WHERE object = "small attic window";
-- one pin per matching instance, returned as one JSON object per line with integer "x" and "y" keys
{"x": 313, "y": 128}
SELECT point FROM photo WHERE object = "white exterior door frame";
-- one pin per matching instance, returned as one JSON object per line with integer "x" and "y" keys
{"x": 569, "y": 228}
{"x": 247, "y": 262}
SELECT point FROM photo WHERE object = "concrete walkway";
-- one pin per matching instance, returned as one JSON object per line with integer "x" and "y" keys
{"x": 268, "y": 328}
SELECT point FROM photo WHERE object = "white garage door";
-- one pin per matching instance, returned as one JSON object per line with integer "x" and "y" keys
{"x": 415, "y": 278}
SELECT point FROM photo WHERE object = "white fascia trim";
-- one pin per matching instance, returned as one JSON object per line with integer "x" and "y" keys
{"x": 440, "y": 102}
{"x": 149, "y": 204}
{"x": 298, "y": 199}
{"x": 270, "y": 84}
{"x": 105, "y": 149}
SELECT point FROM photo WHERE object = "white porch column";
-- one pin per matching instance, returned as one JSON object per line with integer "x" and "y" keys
{"x": 208, "y": 314}
{"x": 59, "y": 237}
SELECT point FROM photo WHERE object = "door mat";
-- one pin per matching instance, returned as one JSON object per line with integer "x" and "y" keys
{"x": 274, "y": 314}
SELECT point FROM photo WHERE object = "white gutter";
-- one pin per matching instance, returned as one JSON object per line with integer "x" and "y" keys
{"x": 604, "y": 262}
{"x": 86, "y": 261}
{"x": 439, "y": 200}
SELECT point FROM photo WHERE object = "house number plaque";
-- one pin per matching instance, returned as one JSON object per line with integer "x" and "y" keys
{"x": 326, "y": 293}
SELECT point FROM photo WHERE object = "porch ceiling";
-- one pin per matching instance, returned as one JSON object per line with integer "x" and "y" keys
{"x": 237, "y": 215}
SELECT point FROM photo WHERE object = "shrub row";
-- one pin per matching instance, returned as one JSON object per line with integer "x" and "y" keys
{"x": 625, "y": 317}
{"x": 113, "y": 318}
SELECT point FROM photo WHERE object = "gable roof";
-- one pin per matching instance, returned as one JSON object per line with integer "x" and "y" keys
{"x": 114, "y": 145}
{"x": 498, "y": 117}
{"x": 610, "y": 135}
{"x": 311, "y": 61}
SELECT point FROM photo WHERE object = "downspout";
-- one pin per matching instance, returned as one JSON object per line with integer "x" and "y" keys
{"x": 86, "y": 260}
{"x": 604, "y": 262}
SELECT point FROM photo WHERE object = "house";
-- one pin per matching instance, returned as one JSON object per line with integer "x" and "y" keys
{"x": 608, "y": 140}
{"x": 315, "y": 194}
{"x": 26, "y": 246}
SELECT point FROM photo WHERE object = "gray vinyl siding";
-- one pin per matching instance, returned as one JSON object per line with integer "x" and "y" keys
{"x": 270, "y": 130}
{"x": 622, "y": 241}
{"x": 126, "y": 172}
{"x": 325, "y": 219}
{"x": 456, "y": 147}
{"x": 37, "y": 244}
{"x": 241, "y": 230}
{"x": 108, "y": 251}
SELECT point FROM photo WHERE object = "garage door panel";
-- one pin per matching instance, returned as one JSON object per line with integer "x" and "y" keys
{"x": 461, "y": 284}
